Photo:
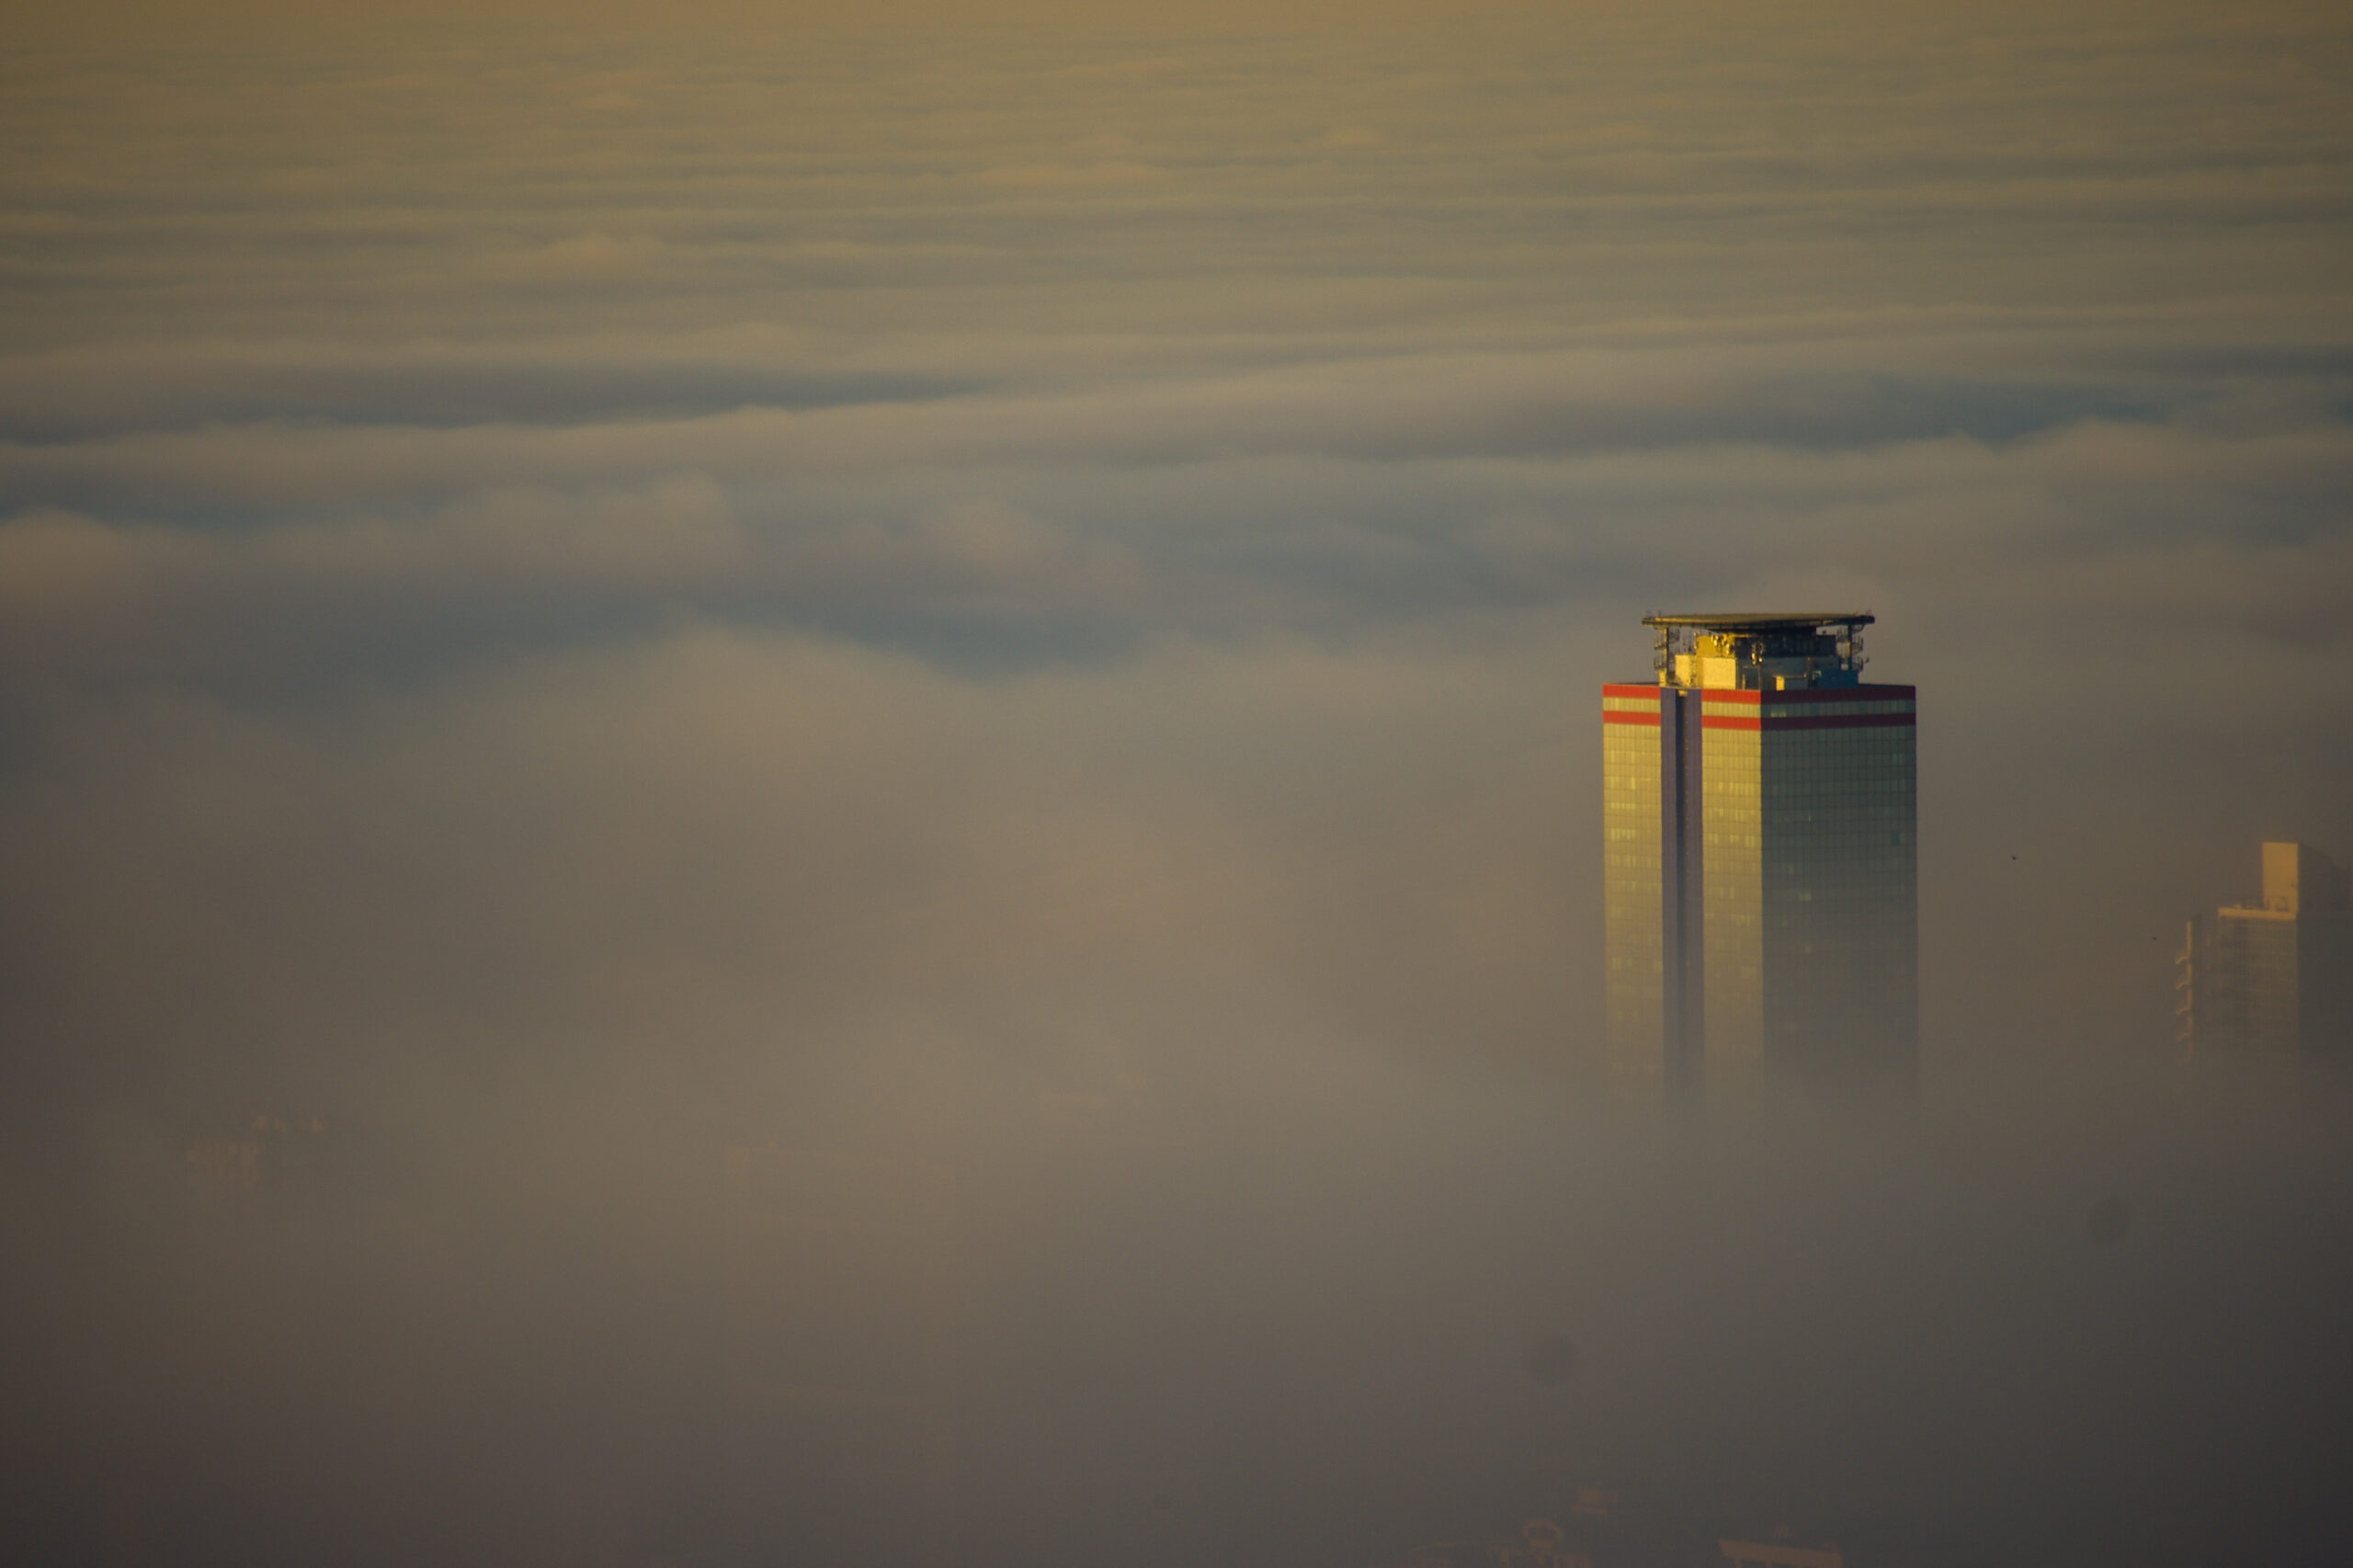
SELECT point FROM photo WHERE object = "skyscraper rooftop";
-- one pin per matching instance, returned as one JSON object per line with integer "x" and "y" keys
{"x": 1751, "y": 652}
{"x": 1746, "y": 620}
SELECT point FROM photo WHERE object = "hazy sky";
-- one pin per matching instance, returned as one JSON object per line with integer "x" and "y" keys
{"x": 541, "y": 552}
{"x": 749, "y": 526}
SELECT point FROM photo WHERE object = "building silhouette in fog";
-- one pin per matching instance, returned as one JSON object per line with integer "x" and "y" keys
{"x": 1758, "y": 824}
{"x": 278, "y": 1169}
{"x": 2274, "y": 978}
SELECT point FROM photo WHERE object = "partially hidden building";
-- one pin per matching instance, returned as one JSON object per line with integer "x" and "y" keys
{"x": 2273, "y": 978}
{"x": 1760, "y": 858}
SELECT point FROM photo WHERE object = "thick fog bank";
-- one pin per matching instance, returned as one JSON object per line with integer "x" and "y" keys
{"x": 1256, "y": 1302}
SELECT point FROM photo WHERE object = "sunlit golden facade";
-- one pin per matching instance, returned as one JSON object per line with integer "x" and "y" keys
{"x": 1629, "y": 859}
{"x": 1760, "y": 864}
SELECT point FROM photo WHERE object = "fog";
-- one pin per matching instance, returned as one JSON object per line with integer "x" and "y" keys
{"x": 1323, "y": 1309}
{"x": 794, "y": 793}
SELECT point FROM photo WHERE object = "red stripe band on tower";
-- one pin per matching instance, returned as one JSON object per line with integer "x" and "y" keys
{"x": 1825, "y": 721}
{"x": 1811, "y": 694}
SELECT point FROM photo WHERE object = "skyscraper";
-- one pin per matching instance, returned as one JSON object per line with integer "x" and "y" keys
{"x": 1760, "y": 861}
{"x": 2274, "y": 978}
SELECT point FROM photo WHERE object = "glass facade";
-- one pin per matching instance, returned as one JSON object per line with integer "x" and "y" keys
{"x": 1801, "y": 859}
{"x": 1629, "y": 869}
{"x": 1733, "y": 830}
{"x": 1839, "y": 902}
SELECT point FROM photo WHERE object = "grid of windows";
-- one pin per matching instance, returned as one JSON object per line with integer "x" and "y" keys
{"x": 2250, "y": 997}
{"x": 1732, "y": 831}
{"x": 1808, "y": 922}
{"x": 1839, "y": 899}
{"x": 1633, "y": 931}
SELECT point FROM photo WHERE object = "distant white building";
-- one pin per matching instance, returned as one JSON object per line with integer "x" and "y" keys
{"x": 2273, "y": 978}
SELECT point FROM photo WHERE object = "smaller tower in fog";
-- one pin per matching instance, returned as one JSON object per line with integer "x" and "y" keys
{"x": 2273, "y": 978}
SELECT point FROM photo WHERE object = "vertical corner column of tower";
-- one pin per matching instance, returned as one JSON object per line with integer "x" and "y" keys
{"x": 1683, "y": 881}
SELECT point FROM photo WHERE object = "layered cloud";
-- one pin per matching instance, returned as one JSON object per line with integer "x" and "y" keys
{"x": 344, "y": 383}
